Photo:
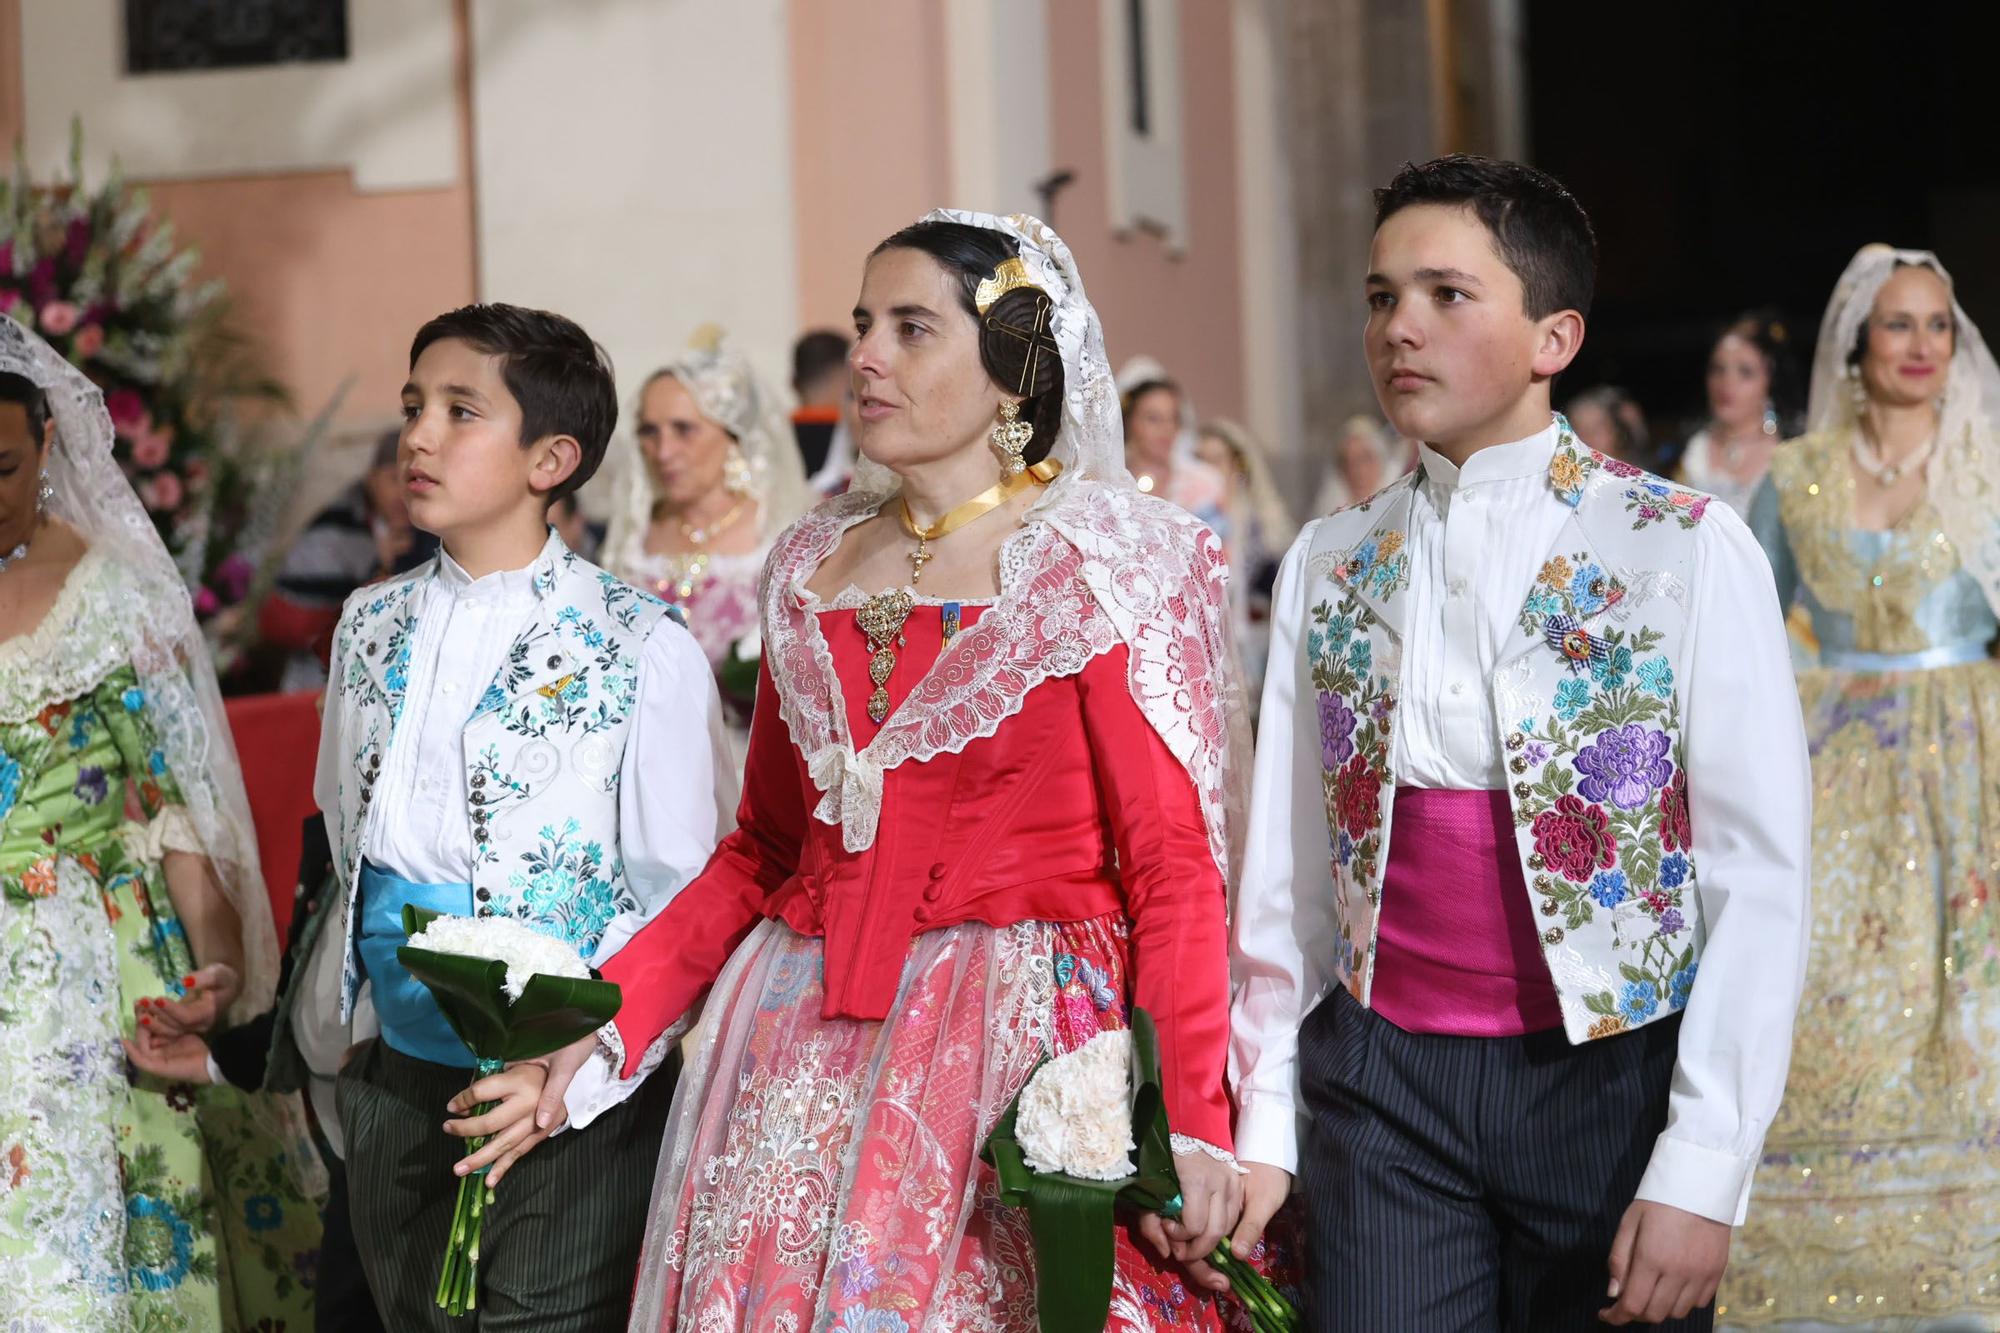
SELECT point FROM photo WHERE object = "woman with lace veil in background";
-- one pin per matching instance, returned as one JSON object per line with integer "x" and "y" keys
{"x": 1752, "y": 402}
{"x": 988, "y": 809}
{"x": 717, "y": 478}
{"x": 127, "y": 861}
{"x": 1258, "y": 526}
{"x": 1878, "y": 1203}
{"x": 1160, "y": 442}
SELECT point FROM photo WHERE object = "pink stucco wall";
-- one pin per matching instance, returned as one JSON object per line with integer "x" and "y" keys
{"x": 326, "y": 281}
{"x": 870, "y": 138}
{"x": 1184, "y": 310}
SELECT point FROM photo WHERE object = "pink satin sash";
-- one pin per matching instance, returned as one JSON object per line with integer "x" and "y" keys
{"x": 1459, "y": 951}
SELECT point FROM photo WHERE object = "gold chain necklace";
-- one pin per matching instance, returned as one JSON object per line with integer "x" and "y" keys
{"x": 882, "y": 616}
{"x": 686, "y": 569}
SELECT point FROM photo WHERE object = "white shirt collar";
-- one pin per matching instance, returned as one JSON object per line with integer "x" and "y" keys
{"x": 507, "y": 585}
{"x": 1496, "y": 462}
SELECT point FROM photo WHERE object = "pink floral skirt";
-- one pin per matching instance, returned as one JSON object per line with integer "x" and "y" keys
{"x": 824, "y": 1174}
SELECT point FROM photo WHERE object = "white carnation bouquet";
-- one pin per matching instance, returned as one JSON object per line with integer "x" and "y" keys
{"x": 511, "y": 994}
{"x": 1087, "y": 1134}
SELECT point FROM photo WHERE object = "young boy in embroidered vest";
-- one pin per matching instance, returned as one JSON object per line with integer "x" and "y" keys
{"x": 1530, "y": 764}
{"x": 509, "y": 731}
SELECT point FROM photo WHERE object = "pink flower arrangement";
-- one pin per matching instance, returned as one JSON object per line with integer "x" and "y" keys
{"x": 151, "y": 446}
{"x": 128, "y": 411}
{"x": 58, "y": 318}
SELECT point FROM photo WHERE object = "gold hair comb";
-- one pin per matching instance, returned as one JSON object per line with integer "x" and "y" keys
{"x": 1010, "y": 274}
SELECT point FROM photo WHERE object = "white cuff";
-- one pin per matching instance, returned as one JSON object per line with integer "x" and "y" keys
{"x": 597, "y": 1087}
{"x": 1703, "y": 1181}
{"x": 215, "y": 1071}
{"x": 1267, "y": 1131}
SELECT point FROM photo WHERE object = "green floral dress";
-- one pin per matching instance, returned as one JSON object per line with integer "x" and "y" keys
{"x": 125, "y": 1203}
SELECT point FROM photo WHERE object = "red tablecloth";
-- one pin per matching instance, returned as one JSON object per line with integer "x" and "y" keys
{"x": 277, "y": 740}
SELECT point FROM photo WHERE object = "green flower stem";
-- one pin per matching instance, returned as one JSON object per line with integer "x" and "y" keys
{"x": 1269, "y": 1311}
{"x": 458, "y": 1284}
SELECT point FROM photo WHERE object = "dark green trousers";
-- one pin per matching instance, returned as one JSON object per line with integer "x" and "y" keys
{"x": 562, "y": 1237}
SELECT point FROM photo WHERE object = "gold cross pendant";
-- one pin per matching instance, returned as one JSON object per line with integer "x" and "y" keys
{"x": 918, "y": 559}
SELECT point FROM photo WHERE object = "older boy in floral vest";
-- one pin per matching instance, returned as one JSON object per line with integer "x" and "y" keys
{"x": 1523, "y": 916}
{"x": 509, "y": 731}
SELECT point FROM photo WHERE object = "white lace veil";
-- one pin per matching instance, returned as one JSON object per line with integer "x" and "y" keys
{"x": 167, "y": 649}
{"x": 1156, "y": 571}
{"x": 1964, "y": 473}
{"x": 730, "y": 393}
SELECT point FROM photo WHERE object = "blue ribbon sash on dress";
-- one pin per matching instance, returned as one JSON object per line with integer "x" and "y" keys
{"x": 1928, "y": 659}
{"x": 412, "y": 1023}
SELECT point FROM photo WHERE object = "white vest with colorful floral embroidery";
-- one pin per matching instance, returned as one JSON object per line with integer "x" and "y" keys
{"x": 1589, "y": 705}
{"x": 543, "y": 748}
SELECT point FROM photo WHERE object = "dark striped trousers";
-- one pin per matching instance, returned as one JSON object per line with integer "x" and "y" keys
{"x": 561, "y": 1243}
{"x": 1471, "y": 1184}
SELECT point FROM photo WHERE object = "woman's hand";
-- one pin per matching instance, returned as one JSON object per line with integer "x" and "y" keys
{"x": 1211, "y": 1199}
{"x": 176, "y": 1059}
{"x": 209, "y": 993}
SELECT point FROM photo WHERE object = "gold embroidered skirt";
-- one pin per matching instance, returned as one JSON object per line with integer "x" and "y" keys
{"x": 1879, "y": 1196}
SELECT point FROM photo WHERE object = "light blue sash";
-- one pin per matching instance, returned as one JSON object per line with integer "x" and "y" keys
{"x": 1929, "y": 659}
{"x": 411, "y": 1020}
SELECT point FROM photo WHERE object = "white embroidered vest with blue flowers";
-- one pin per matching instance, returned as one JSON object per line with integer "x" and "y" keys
{"x": 543, "y": 747}
{"x": 1589, "y": 708}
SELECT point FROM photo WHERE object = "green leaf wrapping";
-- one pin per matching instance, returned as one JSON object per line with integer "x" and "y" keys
{"x": 472, "y": 993}
{"x": 1072, "y": 1218}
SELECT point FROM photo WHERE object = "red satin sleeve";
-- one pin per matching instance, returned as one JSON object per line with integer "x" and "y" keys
{"x": 665, "y": 968}
{"x": 1174, "y": 896}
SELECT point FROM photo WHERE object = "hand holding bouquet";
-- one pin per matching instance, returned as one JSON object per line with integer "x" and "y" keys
{"x": 511, "y": 994}
{"x": 1065, "y": 1151}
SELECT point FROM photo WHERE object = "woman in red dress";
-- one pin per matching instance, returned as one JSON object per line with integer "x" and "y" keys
{"x": 985, "y": 814}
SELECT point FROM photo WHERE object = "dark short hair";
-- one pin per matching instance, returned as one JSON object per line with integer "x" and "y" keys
{"x": 1539, "y": 229}
{"x": 561, "y": 378}
{"x": 972, "y": 253}
{"x": 816, "y": 353}
{"x": 20, "y": 389}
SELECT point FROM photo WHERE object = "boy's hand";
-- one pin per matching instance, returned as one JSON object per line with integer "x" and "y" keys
{"x": 1265, "y": 1190}
{"x": 210, "y": 991}
{"x": 1665, "y": 1263}
{"x": 181, "y": 1059}
{"x": 510, "y": 1126}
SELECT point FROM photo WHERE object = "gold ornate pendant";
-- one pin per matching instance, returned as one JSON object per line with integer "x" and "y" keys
{"x": 881, "y": 618}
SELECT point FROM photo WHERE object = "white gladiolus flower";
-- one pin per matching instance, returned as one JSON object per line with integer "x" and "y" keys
{"x": 524, "y": 950}
{"x": 1075, "y": 1115}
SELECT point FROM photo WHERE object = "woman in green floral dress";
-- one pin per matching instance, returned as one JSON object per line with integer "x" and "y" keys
{"x": 125, "y": 859}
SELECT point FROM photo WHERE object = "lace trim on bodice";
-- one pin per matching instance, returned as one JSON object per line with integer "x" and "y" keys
{"x": 1092, "y": 567}
{"x": 76, "y": 645}
{"x": 1043, "y": 625}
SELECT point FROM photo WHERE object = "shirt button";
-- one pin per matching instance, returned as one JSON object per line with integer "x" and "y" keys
{"x": 1458, "y": 687}
{"x": 450, "y": 688}
{"x": 1455, "y": 588}
{"x": 938, "y": 871}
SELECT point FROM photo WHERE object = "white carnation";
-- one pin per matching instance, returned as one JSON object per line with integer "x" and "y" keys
{"x": 1075, "y": 1115}
{"x": 750, "y": 647}
{"x": 524, "y": 950}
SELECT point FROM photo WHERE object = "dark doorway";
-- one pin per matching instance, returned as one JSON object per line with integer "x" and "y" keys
{"x": 1736, "y": 155}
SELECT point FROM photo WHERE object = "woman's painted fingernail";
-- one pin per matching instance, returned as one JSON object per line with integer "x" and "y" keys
{"x": 188, "y": 980}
